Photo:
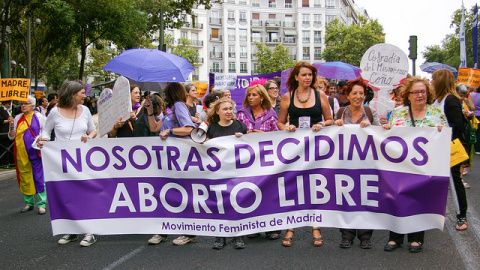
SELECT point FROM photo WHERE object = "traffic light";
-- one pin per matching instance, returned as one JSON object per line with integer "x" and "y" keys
{"x": 413, "y": 47}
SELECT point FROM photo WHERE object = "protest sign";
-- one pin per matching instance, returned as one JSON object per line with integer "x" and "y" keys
{"x": 14, "y": 89}
{"x": 114, "y": 104}
{"x": 343, "y": 177}
{"x": 202, "y": 88}
{"x": 384, "y": 67}
{"x": 469, "y": 76}
{"x": 38, "y": 94}
{"x": 239, "y": 86}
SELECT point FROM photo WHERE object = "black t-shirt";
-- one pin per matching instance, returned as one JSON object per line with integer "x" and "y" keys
{"x": 215, "y": 130}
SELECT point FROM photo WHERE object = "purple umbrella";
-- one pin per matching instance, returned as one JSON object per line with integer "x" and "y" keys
{"x": 150, "y": 65}
{"x": 431, "y": 67}
{"x": 337, "y": 70}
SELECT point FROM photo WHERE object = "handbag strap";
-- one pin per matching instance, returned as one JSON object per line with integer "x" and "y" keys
{"x": 411, "y": 115}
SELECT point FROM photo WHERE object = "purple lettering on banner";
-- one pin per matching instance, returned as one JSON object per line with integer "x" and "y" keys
{"x": 340, "y": 146}
{"x": 123, "y": 162}
{"x": 238, "y": 162}
{"x": 147, "y": 154}
{"x": 89, "y": 159}
{"x": 215, "y": 159}
{"x": 172, "y": 155}
{"x": 420, "y": 150}
{"x": 280, "y": 147}
{"x": 404, "y": 154}
{"x": 398, "y": 194}
{"x": 263, "y": 153}
{"x": 307, "y": 148}
{"x": 317, "y": 147}
{"x": 197, "y": 162}
{"x": 76, "y": 164}
{"x": 157, "y": 150}
{"x": 354, "y": 143}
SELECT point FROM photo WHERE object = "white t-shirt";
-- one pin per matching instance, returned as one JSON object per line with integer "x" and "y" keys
{"x": 68, "y": 129}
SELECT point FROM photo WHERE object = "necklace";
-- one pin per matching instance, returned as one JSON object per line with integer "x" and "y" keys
{"x": 304, "y": 100}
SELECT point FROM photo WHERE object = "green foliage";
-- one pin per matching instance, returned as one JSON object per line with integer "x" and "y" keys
{"x": 448, "y": 52}
{"x": 349, "y": 43}
{"x": 99, "y": 56}
{"x": 272, "y": 61}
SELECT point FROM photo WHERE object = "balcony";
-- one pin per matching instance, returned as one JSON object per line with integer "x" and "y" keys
{"x": 216, "y": 55}
{"x": 317, "y": 57}
{"x": 242, "y": 20}
{"x": 273, "y": 40}
{"x": 254, "y": 56}
{"x": 189, "y": 25}
{"x": 199, "y": 60}
{"x": 257, "y": 39}
{"x": 289, "y": 40}
{"x": 216, "y": 70}
{"x": 216, "y": 21}
{"x": 231, "y": 55}
{"x": 195, "y": 77}
{"x": 243, "y": 38}
{"x": 273, "y": 24}
{"x": 289, "y": 24}
{"x": 242, "y": 2}
{"x": 293, "y": 56}
{"x": 231, "y": 37}
{"x": 196, "y": 43}
{"x": 216, "y": 38}
{"x": 255, "y": 23}
{"x": 306, "y": 57}
{"x": 243, "y": 55}
{"x": 317, "y": 40}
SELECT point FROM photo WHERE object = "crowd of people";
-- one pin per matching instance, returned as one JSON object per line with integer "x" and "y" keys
{"x": 311, "y": 102}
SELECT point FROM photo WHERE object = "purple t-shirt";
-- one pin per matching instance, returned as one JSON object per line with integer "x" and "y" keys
{"x": 476, "y": 102}
{"x": 179, "y": 116}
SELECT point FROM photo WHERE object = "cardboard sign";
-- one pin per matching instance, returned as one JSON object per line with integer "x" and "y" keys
{"x": 14, "y": 89}
{"x": 469, "y": 76}
{"x": 201, "y": 89}
{"x": 114, "y": 104}
{"x": 38, "y": 94}
{"x": 225, "y": 81}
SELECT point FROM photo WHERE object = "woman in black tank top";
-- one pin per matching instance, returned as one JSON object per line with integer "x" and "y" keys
{"x": 302, "y": 105}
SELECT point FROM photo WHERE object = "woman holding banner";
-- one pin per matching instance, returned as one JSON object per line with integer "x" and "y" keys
{"x": 417, "y": 96}
{"x": 126, "y": 128}
{"x": 449, "y": 102}
{"x": 71, "y": 121}
{"x": 223, "y": 123}
{"x": 356, "y": 113}
{"x": 28, "y": 162}
{"x": 257, "y": 113}
{"x": 303, "y": 106}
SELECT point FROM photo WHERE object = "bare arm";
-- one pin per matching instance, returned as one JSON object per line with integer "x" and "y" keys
{"x": 283, "y": 114}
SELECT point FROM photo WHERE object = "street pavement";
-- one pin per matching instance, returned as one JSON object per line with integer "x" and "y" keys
{"x": 26, "y": 242}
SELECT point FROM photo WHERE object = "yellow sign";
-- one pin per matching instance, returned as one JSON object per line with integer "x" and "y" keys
{"x": 469, "y": 76}
{"x": 14, "y": 89}
{"x": 201, "y": 89}
{"x": 38, "y": 94}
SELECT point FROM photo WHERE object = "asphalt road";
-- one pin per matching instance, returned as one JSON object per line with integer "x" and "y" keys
{"x": 26, "y": 242}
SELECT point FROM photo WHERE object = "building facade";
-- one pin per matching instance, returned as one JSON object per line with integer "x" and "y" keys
{"x": 225, "y": 35}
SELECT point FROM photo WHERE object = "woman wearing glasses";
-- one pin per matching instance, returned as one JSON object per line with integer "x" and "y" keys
{"x": 28, "y": 163}
{"x": 274, "y": 93}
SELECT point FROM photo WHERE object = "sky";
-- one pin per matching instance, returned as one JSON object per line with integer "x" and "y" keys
{"x": 429, "y": 20}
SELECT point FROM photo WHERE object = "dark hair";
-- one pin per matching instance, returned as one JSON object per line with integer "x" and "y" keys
{"x": 212, "y": 97}
{"x": 66, "y": 92}
{"x": 52, "y": 97}
{"x": 174, "y": 92}
{"x": 352, "y": 83}
{"x": 406, "y": 87}
{"x": 157, "y": 103}
{"x": 292, "y": 83}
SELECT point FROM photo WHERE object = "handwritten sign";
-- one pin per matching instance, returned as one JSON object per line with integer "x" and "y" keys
{"x": 201, "y": 89}
{"x": 38, "y": 94}
{"x": 469, "y": 76}
{"x": 114, "y": 104}
{"x": 14, "y": 89}
{"x": 225, "y": 81}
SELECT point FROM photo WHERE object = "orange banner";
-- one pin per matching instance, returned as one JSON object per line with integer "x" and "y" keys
{"x": 14, "y": 89}
{"x": 38, "y": 94}
{"x": 469, "y": 76}
{"x": 201, "y": 89}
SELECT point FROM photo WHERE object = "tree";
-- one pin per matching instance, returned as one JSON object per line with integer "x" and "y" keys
{"x": 448, "y": 52}
{"x": 100, "y": 55}
{"x": 349, "y": 43}
{"x": 272, "y": 61}
{"x": 183, "y": 49}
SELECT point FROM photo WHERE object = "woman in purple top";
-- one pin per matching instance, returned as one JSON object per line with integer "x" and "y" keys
{"x": 476, "y": 103}
{"x": 257, "y": 113}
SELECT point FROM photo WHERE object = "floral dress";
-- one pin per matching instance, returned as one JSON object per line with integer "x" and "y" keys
{"x": 433, "y": 117}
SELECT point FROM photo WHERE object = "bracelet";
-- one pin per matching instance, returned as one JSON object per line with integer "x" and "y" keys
{"x": 150, "y": 114}
{"x": 170, "y": 131}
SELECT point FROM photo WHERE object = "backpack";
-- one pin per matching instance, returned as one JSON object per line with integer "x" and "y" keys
{"x": 367, "y": 109}
{"x": 468, "y": 134}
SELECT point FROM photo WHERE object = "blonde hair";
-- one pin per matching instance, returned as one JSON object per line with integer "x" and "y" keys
{"x": 266, "y": 103}
{"x": 212, "y": 116}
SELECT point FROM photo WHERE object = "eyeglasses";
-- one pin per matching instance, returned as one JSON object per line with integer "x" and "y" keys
{"x": 273, "y": 88}
{"x": 26, "y": 104}
{"x": 416, "y": 93}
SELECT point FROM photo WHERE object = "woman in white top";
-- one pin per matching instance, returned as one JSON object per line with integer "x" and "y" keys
{"x": 71, "y": 121}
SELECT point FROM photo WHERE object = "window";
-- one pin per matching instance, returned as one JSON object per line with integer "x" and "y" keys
{"x": 306, "y": 36}
{"x": 255, "y": 16}
{"x": 317, "y": 3}
{"x": 215, "y": 67}
{"x": 317, "y": 19}
{"x": 289, "y": 39}
{"x": 231, "y": 34}
{"x": 231, "y": 16}
{"x": 306, "y": 53}
{"x": 306, "y": 19}
{"x": 243, "y": 34}
{"x": 272, "y": 16}
{"x": 231, "y": 67}
{"x": 231, "y": 51}
{"x": 330, "y": 18}
{"x": 288, "y": 4}
{"x": 215, "y": 14}
{"x": 256, "y": 37}
{"x": 243, "y": 51}
{"x": 243, "y": 16}
{"x": 317, "y": 36}
{"x": 271, "y": 3}
{"x": 184, "y": 34}
{"x": 305, "y": 3}
{"x": 214, "y": 33}
{"x": 317, "y": 53}
{"x": 330, "y": 3}
{"x": 255, "y": 3}
{"x": 288, "y": 21}
{"x": 243, "y": 67}
{"x": 273, "y": 37}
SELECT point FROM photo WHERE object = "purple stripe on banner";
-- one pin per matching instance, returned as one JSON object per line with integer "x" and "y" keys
{"x": 394, "y": 193}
